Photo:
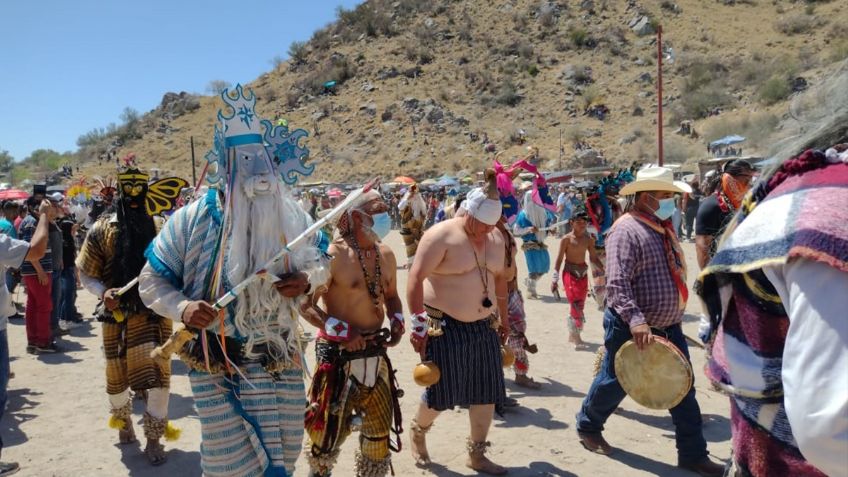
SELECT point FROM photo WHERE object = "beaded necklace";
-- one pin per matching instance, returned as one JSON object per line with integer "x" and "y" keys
{"x": 375, "y": 287}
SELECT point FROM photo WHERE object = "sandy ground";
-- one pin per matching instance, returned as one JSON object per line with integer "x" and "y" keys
{"x": 56, "y": 420}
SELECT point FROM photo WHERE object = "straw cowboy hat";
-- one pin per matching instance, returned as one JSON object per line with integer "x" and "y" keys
{"x": 655, "y": 179}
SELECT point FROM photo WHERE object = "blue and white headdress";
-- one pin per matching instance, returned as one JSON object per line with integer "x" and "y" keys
{"x": 242, "y": 126}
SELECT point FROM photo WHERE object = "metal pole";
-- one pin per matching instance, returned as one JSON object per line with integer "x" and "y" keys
{"x": 659, "y": 97}
{"x": 193, "y": 172}
{"x": 560, "y": 149}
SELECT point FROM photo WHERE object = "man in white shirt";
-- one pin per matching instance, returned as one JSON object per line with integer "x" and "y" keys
{"x": 12, "y": 254}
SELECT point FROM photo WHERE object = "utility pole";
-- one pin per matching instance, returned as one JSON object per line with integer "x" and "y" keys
{"x": 659, "y": 96}
{"x": 193, "y": 167}
{"x": 560, "y": 149}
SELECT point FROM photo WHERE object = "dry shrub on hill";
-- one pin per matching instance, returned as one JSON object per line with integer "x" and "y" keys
{"x": 298, "y": 52}
{"x": 336, "y": 68}
{"x": 367, "y": 18}
{"x": 704, "y": 87}
{"x": 757, "y": 128}
{"x": 506, "y": 95}
{"x": 775, "y": 89}
{"x": 796, "y": 24}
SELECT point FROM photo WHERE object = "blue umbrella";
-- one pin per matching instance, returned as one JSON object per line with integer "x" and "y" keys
{"x": 447, "y": 182}
{"x": 727, "y": 140}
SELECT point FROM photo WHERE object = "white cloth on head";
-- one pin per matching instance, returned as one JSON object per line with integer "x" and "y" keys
{"x": 482, "y": 208}
{"x": 365, "y": 198}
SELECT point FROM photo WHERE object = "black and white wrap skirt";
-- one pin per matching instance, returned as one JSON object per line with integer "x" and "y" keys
{"x": 469, "y": 358}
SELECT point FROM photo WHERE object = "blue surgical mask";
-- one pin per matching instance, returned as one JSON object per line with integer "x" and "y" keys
{"x": 382, "y": 224}
{"x": 666, "y": 208}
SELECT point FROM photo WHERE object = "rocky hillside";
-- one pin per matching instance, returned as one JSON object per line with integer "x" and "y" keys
{"x": 422, "y": 86}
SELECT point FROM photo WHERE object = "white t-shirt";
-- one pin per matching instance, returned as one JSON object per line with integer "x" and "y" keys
{"x": 12, "y": 254}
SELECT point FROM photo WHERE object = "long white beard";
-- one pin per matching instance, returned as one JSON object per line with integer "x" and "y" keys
{"x": 259, "y": 226}
{"x": 419, "y": 207}
{"x": 537, "y": 215}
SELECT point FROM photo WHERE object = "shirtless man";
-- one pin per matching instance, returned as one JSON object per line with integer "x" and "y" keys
{"x": 573, "y": 248}
{"x": 517, "y": 320}
{"x": 457, "y": 277}
{"x": 354, "y": 385}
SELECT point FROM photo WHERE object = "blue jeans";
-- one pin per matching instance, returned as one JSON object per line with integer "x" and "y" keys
{"x": 56, "y": 298}
{"x": 606, "y": 393}
{"x": 4, "y": 375}
{"x": 68, "y": 303}
{"x": 11, "y": 281}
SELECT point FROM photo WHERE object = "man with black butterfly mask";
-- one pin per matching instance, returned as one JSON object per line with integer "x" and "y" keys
{"x": 112, "y": 256}
{"x": 354, "y": 372}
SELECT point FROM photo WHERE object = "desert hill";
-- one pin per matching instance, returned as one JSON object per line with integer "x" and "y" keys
{"x": 420, "y": 85}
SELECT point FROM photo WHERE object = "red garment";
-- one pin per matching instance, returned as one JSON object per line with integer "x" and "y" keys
{"x": 576, "y": 290}
{"x": 38, "y": 308}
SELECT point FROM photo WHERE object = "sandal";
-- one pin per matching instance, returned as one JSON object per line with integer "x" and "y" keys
{"x": 527, "y": 382}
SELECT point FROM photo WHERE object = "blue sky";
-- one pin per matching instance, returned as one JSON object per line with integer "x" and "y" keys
{"x": 68, "y": 66}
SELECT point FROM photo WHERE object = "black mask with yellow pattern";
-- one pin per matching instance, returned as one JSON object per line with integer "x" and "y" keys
{"x": 132, "y": 188}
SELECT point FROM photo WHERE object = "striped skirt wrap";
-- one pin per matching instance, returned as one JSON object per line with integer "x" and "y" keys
{"x": 247, "y": 431}
{"x": 469, "y": 358}
{"x": 127, "y": 346}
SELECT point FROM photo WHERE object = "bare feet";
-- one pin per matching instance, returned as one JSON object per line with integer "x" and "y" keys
{"x": 418, "y": 441}
{"x": 478, "y": 461}
{"x": 526, "y": 382}
{"x": 155, "y": 452}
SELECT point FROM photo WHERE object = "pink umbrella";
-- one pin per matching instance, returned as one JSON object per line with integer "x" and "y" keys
{"x": 13, "y": 194}
{"x": 335, "y": 192}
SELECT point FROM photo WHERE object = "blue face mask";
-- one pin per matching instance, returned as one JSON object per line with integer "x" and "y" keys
{"x": 382, "y": 224}
{"x": 666, "y": 208}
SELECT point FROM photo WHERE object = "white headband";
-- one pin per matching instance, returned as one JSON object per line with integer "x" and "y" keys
{"x": 482, "y": 208}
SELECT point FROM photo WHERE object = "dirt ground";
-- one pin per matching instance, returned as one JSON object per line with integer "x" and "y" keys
{"x": 56, "y": 422}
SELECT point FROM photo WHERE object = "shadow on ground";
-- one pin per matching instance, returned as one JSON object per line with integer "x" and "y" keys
{"x": 180, "y": 462}
{"x": 517, "y": 417}
{"x": 545, "y": 469}
{"x": 65, "y": 356}
{"x": 716, "y": 428}
{"x": 19, "y": 402}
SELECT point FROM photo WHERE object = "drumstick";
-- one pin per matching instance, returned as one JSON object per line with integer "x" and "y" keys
{"x": 693, "y": 342}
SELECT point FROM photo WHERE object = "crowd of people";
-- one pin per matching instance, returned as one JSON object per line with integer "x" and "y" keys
{"x": 225, "y": 279}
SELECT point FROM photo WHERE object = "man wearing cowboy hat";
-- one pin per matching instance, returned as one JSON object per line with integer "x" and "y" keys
{"x": 646, "y": 295}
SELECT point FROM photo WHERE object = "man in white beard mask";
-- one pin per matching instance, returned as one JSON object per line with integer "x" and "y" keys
{"x": 249, "y": 354}
{"x": 529, "y": 226}
{"x": 413, "y": 212}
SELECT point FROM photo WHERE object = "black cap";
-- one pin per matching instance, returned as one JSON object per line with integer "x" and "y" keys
{"x": 738, "y": 167}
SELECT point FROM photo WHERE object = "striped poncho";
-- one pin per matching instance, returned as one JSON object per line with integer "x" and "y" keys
{"x": 749, "y": 323}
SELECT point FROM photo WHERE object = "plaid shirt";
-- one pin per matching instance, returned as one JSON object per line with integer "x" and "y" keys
{"x": 640, "y": 287}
